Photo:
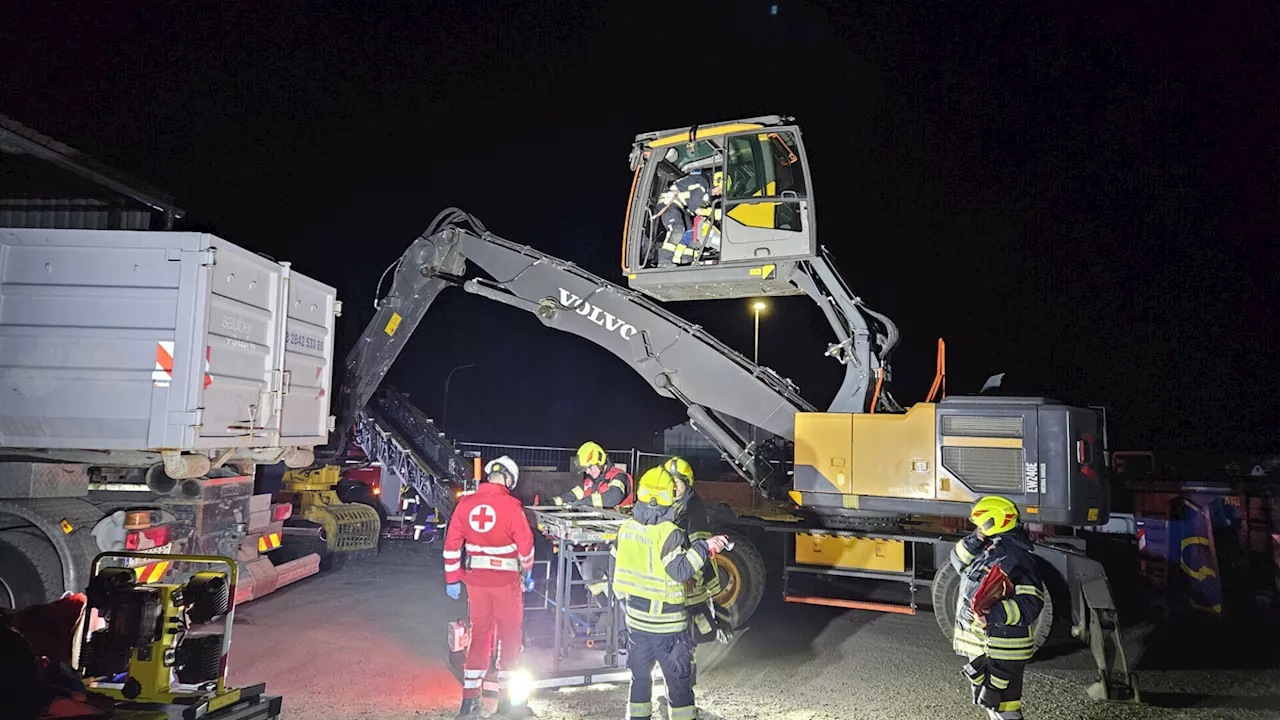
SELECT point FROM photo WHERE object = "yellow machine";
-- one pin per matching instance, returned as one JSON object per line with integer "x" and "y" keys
{"x": 344, "y": 527}
{"x": 726, "y": 211}
{"x": 148, "y": 646}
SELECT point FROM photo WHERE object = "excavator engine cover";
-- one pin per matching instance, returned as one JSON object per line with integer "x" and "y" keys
{"x": 938, "y": 458}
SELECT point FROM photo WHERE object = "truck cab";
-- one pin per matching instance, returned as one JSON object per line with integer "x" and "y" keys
{"x": 745, "y": 238}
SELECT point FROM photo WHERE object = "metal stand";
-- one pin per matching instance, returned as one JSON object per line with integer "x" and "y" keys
{"x": 583, "y": 649}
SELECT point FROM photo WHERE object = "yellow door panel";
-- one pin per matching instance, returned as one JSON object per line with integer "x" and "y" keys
{"x": 851, "y": 552}
{"x": 896, "y": 455}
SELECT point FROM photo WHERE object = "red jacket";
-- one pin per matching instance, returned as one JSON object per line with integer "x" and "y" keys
{"x": 612, "y": 490}
{"x": 491, "y": 525}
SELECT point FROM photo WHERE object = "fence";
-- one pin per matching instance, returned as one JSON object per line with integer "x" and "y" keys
{"x": 543, "y": 458}
{"x": 547, "y": 471}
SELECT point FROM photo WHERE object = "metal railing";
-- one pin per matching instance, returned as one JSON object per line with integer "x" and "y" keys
{"x": 543, "y": 458}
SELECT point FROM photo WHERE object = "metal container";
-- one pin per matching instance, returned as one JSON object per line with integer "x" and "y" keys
{"x": 140, "y": 342}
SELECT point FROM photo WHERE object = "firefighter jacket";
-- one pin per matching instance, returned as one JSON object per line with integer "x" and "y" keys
{"x": 1009, "y": 630}
{"x": 692, "y": 193}
{"x": 695, "y": 524}
{"x": 612, "y": 489}
{"x": 652, "y": 563}
{"x": 490, "y": 525}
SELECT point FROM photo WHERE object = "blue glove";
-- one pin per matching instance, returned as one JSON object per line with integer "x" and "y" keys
{"x": 526, "y": 581}
{"x": 454, "y": 590}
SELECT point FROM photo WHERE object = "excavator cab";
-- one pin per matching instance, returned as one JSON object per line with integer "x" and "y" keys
{"x": 741, "y": 230}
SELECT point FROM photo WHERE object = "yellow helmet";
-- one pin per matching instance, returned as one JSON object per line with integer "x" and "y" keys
{"x": 591, "y": 454}
{"x": 718, "y": 179}
{"x": 657, "y": 487}
{"x": 679, "y": 467}
{"x": 994, "y": 515}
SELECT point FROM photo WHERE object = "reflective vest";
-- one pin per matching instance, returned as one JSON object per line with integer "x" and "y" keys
{"x": 652, "y": 601}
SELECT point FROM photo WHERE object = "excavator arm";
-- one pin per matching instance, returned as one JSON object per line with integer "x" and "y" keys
{"x": 677, "y": 358}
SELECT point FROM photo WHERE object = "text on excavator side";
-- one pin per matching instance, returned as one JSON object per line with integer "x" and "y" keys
{"x": 597, "y": 315}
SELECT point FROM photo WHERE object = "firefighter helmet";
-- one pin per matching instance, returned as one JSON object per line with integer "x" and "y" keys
{"x": 680, "y": 468}
{"x": 994, "y": 515}
{"x": 657, "y": 487}
{"x": 506, "y": 467}
{"x": 591, "y": 454}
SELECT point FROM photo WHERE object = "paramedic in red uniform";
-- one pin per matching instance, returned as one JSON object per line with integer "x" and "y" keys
{"x": 491, "y": 526}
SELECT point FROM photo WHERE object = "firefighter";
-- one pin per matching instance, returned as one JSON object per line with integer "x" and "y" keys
{"x": 605, "y": 486}
{"x": 688, "y": 198}
{"x": 709, "y": 620}
{"x": 492, "y": 526}
{"x": 998, "y": 638}
{"x": 653, "y": 562}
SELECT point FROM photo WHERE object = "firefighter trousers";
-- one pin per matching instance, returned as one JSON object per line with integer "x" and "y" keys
{"x": 997, "y": 685}
{"x": 674, "y": 654}
{"x": 496, "y": 612}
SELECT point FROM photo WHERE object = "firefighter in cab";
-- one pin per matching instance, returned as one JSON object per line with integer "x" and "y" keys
{"x": 605, "y": 486}
{"x": 654, "y": 560}
{"x": 1001, "y": 596}
{"x": 490, "y": 524}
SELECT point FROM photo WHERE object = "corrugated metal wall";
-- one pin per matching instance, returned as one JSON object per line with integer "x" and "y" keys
{"x": 71, "y": 214}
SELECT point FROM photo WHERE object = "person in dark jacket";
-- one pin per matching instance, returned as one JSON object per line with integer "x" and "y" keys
{"x": 710, "y": 622}
{"x": 995, "y": 628}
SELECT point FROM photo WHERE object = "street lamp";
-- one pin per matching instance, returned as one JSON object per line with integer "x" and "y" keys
{"x": 757, "y": 306}
{"x": 444, "y": 414}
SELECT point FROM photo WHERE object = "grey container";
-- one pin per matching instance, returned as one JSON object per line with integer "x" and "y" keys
{"x": 142, "y": 342}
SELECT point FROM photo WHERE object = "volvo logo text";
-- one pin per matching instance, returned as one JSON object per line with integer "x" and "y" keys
{"x": 596, "y": 315}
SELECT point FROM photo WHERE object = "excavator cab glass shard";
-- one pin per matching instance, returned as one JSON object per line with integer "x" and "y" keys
{"x": 719, "y": 211}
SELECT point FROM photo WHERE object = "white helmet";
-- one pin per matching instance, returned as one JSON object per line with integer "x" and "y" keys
{"x": 506, "y": 466}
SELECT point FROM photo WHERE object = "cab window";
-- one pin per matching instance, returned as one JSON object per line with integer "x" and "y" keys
{"x": 764, "y": 165}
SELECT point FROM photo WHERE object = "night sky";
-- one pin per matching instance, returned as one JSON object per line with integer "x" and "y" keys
{"x": 1086, "y": 200}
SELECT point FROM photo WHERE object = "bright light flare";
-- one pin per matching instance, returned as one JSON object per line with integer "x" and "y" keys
{"x": 520, "y": 688}
{"x": 759, "y": 305}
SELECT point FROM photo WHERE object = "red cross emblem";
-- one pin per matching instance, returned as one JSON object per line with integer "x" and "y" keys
{"x": 482, "y": 519}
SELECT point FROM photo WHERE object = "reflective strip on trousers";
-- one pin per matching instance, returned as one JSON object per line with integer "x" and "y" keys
{"x": 639, "y": 710}
{"x": 688, "y": 712}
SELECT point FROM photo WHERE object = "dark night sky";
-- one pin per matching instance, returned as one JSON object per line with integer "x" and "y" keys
{"x": 1087, "y": 200}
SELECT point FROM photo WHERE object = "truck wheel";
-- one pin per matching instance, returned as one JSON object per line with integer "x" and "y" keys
{"x": 742, "y": 578}
{"x": 30, "y": 570}
{"x": 946, "y": 595}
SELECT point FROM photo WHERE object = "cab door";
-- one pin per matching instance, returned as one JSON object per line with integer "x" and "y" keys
{"x": 766, "y": 203}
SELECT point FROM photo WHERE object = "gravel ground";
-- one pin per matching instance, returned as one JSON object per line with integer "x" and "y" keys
{"x": 367, "y": 643}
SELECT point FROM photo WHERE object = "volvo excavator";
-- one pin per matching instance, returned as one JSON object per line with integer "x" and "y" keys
{"x": 868, "y": 475}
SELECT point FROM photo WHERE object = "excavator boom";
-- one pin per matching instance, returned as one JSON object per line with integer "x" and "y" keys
{"x": 677, "y": 358}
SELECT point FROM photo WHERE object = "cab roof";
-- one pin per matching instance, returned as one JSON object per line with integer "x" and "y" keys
{"x": 663, "y": 138}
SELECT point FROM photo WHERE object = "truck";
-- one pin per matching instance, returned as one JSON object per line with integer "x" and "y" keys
{"x": 150, "y": 375}
{"x": 872, "y": 484}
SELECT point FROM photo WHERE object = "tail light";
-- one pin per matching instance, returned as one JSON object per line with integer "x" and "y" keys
{"x": 1084, "y": 455}
{"x": 148, "y": 538}
{"x": 281, "y": 511}
{"x": 377, "y": 491}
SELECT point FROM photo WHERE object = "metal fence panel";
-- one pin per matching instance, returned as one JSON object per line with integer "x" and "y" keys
{"x": 542, "y": 458}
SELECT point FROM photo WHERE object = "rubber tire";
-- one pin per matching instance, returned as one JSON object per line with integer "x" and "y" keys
{"x": 29, "y": 567}
{"x": 946, "y": 595}
{"x": 746, "y": 559}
